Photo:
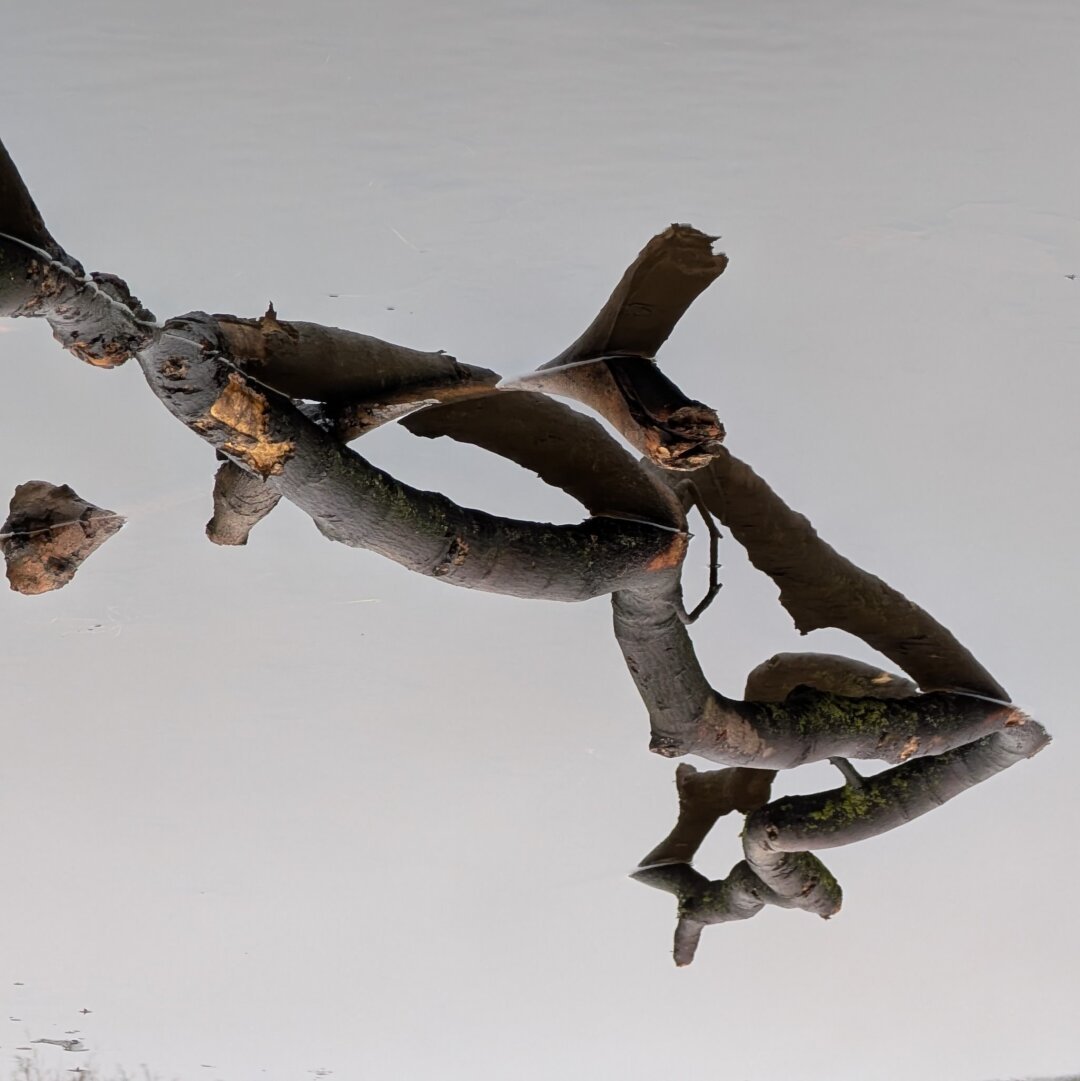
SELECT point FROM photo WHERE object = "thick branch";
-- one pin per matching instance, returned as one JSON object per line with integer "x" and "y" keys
{"x": 562, "y": 446}
{"x": 688, "y": 717}
{"x": 820, "y": 588}
{"x": 887, "y": 800}
{"x": 189, "y": 367}
{"x": 354, "y": 503}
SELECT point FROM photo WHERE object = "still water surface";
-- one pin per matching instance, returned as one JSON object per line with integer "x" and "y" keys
{"x": 284, "y": 809}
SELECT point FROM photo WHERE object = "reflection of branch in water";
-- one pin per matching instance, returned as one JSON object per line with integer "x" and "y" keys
{"x": 779, "y": 837}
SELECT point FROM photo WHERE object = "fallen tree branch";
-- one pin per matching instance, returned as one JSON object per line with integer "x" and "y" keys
{"x": 239, "y": 385}
{"x": 562, "y": 446}
{"x": 340, "y": 367}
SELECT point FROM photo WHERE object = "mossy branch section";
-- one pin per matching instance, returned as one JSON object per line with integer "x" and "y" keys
{"x": 611, "y": 367}
{"x": 688, "y": 717}
{"x": 804, "y": 882}
{"x": 354, "y": 503}
{"x": 812, "y": 725}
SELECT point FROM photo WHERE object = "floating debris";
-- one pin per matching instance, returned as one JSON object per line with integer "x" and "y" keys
{"x": 49, "y": 534}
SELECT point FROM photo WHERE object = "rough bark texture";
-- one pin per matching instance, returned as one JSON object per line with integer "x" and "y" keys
{"x": 96, "y": 318}
{"x": 49, "y": 533}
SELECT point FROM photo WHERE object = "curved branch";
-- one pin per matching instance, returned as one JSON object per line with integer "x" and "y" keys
{"x": 562, "y": 446}
{"x": 241, "y": 501}
{"x": 612, "y": 368}
{"x": 821, "y": 588}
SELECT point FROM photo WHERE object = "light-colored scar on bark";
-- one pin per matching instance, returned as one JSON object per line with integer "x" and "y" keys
{"x": 731, "y": 737}
{"x": 245, "y": 411}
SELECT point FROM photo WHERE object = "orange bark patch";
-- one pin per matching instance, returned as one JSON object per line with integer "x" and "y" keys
{"x": 909, "y": 748}
{"x": 100, "y": 355}
{"x": 672, "y": 556}
{"x": 244, "y": 411}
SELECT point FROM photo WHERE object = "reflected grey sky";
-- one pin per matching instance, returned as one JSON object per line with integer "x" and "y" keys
{"x": 292, "y": 809}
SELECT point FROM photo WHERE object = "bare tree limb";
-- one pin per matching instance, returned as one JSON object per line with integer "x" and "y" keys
{"x": 188, "y": 365}
{"x": 821, "y": 588}
{"x": 341, "y": 367}
{"x": 778, "y": 837}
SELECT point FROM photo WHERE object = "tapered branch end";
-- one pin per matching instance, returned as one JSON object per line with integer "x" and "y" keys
{"x": 687, "y": 937}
